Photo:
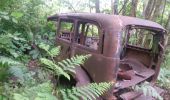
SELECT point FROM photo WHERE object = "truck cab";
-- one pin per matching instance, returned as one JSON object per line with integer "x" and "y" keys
{"x": 124, "y": 50}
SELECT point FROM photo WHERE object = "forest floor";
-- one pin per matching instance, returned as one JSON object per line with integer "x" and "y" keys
{"x": 166, "y": 94}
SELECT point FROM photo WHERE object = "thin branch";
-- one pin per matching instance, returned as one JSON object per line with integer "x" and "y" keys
{"x": 168, "y": 20}
{"x": 70, "y": 5}
{"x": 123, "y": 7}
{"x": 78, "y": 3}
{"x": 163, "y": 12}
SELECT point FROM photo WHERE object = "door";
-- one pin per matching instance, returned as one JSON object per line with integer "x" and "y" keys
{"x": 88, "y": 40}
{"x": 65, "y": 36}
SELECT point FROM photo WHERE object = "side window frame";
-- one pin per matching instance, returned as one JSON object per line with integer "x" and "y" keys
{"x": 59, "y": 28}
{"x": 100, "y": 35}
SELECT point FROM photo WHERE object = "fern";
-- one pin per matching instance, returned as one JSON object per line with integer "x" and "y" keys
{"x": 9, "y": 61}
{"x": 5, "y": 66}
{"x": 45, "y": 91}
{"x": 56, "y": 69}
{"x": 70, "y": 64}
{"x": 164, "y": 77}
{"x": 148, "y": 90}
{"x": 90, "y": 92}
{"x": 62, "y": 67}
{"x": 51, "y": 51}
{"x": 39, "y": 92}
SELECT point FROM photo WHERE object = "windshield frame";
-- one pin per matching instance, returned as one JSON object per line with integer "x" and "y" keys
{"x": 159, "y": 32}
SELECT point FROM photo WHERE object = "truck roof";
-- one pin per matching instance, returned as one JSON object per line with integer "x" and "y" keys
{"x": 109, "y": 22}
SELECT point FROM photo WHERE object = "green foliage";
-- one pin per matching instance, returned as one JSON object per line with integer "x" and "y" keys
{"x": 164, "y": 78}
{"x": 4, "y": 75}
{"x": 31, "y": 89}
{"x": 90, "y": 91}
{"x": 148, "y": 90}
{"x": 12, "y": 45}
{"x": 9, "y": 61}
{"x": 56, "y": 69}
{"x": 166, "y": 61}
{"x": 64, "y": 66}
{"x": 5, "y": 63}
{"x": 23, "y": 25}
{"x": 16, "y": 14}
{"x": 87, "y": 92}
{"x": 46, "y": 91}
{"x": 40, "y": 92}
{"x": 15, "y": 73}
{"x": 70, "y": 64}
{"x": 51, "y": 51}
{"x": 164, "y": 74}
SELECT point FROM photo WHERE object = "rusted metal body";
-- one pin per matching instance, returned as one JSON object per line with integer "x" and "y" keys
{"x": 114, "y": 60}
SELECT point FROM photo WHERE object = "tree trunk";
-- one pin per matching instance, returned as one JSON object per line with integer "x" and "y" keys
{"x": 90, "y": 8}
{"x": 168, "y": 24}
{"x": 148, "y": 10}
{"x": 97, "y": 6}
{"x": 163, "y": 11}
{"x": 114, "y": 6}
{"x": 124, "y": 7}
{"x": 134, "y": 7}
{"x": 157, "y": 10}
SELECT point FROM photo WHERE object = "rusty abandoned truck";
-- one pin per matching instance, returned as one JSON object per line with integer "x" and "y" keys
{"x": 124, "y": 50}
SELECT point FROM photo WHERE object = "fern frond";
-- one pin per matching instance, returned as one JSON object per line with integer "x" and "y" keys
{"x": 39, "y": 92}
{"x": 9, "y": 61}
{"x": 44, "y": 46}
{"x": 91, "y": 91}
{"x": 70, "y": 64}
{"x": 17, "y": 71}
{"x": 7, "y": 68}
{"x": 51, "y": 51}
{"x": 148, "y": 90}
{"x": 54, "y": 51}
{"x": 163, "y": 77}
{"x": 65, "y": 65}
{"x": 57, "y": 70}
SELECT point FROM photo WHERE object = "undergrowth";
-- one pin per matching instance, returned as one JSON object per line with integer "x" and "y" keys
{"x": 164, "y": 74}
{"x": 148, "y": 90}
{"x": 27, "y": 83}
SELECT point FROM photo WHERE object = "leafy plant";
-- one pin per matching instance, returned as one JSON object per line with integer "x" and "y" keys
{"x": 15, "y": 72}
{"x": 164, "y": 74}
{"x": 147, "y": 90}
{"x": 166, "y": 61}
{"x": 31, "y": 85}
{"x": 87, "y": 92}
{"x": 39, "y": 92}
{"x": 9, "y": 61}
{"x": 91, "y": 91}
{"x": 46, "y": 91}
{"x": 12, "y": 45}
{"x": 62, "y": 67}
{"x": 164, "y": 78}
{"x": 52, "y": 52}
{"x": 5, "y": 63}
